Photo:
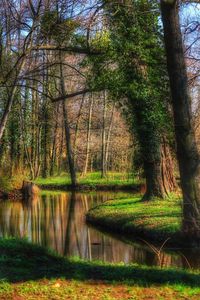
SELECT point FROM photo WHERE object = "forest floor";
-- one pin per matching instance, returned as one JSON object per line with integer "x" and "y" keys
{"x": 113, "y": 181}
{"x": 29, "y": 271}
{"x": 156, "y": 220}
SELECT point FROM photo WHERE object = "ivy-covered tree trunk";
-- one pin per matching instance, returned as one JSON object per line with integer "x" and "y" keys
{"x": 154, "y": 184}
{"x": 138, "y": 52}
{"x": 187, "y": 152}
{"x": 155, "y": 154}
{"x": 151, "y": 157}
{"x": 159, "y": 175}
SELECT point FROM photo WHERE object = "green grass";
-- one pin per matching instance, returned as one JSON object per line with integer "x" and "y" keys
{"x": 29, "y": 271}
{"x": 91, "y": 180}
{"x": 157, "y": 220}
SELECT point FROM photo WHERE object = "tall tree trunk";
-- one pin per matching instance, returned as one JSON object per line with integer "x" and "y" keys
{"x": 187, "y": 153}
{"x": 24, "y": 137}
{"x": 69, "y": 148}
{"x": 7, "y": 111}
{"x": 67, "y": 130}
{"x": 77, "y": 128}
{"x": 53, "y": 155}
{"x": 46, "y": 123}
{"x": 167, "y": 168}
{"x": 33, "y": 125}
{"x": 61, "y": 149}
{"x": 88, "y": 136}
{"x": 103, "y": 143}
{"x": 159, "y": 173}
{"x": 109, "y": 135}
{"x": 149, "y": 139}
{"x": 154, "y": 183}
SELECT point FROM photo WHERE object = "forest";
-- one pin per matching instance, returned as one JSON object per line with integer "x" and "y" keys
{"x": 99, "y": 149}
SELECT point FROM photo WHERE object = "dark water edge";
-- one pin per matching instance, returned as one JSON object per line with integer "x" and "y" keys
{"x": 57, "y": 220}
{"x": 93, "y": 187}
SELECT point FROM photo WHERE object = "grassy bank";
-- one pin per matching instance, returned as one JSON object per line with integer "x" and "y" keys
{"x": 10, "y": 187}
{"x": 8, "y": 184}
{"x": 93, "y": 180}
{"x": 156, "y": 220}
{"x": 30, "y": 272}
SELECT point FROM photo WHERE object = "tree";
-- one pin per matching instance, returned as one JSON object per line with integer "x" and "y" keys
{"x": 187, "y": 153}
{"x": 70, "y": 154}
{"x": 137, "y": 48}
{"x": 11, "y": 65}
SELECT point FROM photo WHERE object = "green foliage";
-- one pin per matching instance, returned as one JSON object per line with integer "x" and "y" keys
{"x": 56, "y": 28}
{"x": 134, "y": 67}
{"x": 140, "y": 53}
{"x": 101, "y": 41}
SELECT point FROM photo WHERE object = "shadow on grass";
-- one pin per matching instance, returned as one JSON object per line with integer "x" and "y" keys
{"x": 22, "y": 261}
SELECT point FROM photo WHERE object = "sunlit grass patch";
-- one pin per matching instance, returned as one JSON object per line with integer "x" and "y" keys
{"x": 158, "y": 219}
{"x": 90, "y": 179}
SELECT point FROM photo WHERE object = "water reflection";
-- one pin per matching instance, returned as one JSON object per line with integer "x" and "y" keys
{"x": 57, "y": 220}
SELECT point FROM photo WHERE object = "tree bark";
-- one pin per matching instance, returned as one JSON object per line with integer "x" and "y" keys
{"x": 46, "y": 123}
{"x": 187, "y": 153}
{"x": 61, "y": 149}
{"x": 69, "y": 148}
{"x": 103, "y": 144}
{"x": 167, "y": 169}
{"x": 7, "y": 111}
{"x": 109, "y": 135}
{"x": 77, "y": 128}
{"x": 67, "y": 131}
{"x": 88, "y": 136}
{"x": 159, "y": 174}
{"x": 55, "y": 133}
{"x": 154, "y": 183}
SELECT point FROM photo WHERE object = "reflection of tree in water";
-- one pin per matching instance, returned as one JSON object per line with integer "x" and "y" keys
{"x": 58, "y": 221}
{"x": 10, "y": 219}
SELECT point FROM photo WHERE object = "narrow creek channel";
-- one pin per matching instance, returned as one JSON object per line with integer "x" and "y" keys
{"x": 57, "y": 220}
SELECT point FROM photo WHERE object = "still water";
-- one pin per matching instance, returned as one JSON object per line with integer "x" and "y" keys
{"x": 57, "y": 220}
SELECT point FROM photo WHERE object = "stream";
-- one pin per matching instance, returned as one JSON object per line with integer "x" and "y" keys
{"x": 57, "y": 220}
